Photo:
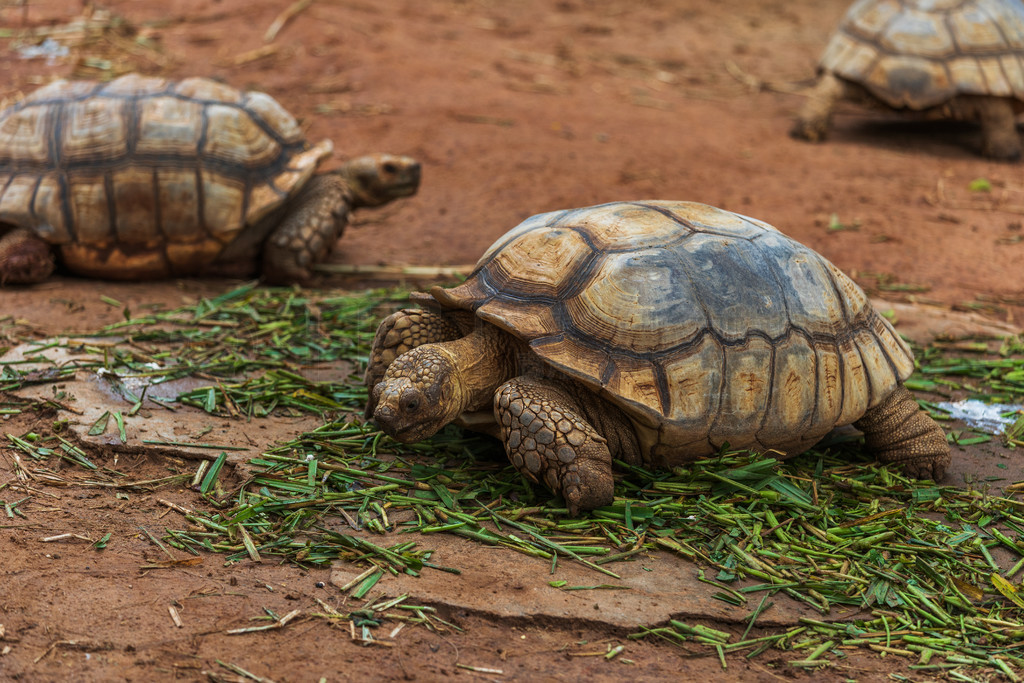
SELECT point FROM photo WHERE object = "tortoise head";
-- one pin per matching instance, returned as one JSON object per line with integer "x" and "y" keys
{"x": 421, "y": 392}
{"x": 376, "y": 179}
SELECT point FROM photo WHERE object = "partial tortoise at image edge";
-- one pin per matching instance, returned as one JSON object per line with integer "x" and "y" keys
{"x": 653, "y": 332}
{"x": 932, "y": 59}
{"x": 143, "y": 178}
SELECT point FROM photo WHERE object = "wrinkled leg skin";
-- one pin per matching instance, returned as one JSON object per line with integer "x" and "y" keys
{"x": 898, "y": 431}
{"x": 998, "y": 128}
{"x": 547, "y": 439}
{"x": 398, "y": 333}
{"x": 815, "y": 117}
{"x": 316, "y": 218}
{"x": 24, "y": 258}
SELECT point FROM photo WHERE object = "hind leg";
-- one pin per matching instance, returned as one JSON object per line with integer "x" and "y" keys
{"x": 998, "y": 129}
{"x": 815, "y": 117}
{"x": 24, "y": 258}
{"x": 898, "y": 431}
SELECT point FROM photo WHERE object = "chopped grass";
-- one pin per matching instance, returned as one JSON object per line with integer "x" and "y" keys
{"x": 937, "y": 569}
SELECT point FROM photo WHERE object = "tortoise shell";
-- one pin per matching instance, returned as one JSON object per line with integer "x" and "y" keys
{"x": 923, "y": 53}
{"x": 704, "y": 326}
{"x": 147, "y": 177}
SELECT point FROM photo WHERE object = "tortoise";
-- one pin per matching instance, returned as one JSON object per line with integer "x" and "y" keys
{"x": 655, "y": 332}
{"x": 144, "y": 178}
{"x": 939, "y": 59}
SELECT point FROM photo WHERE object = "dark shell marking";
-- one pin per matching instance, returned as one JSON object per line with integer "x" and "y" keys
{"x": 704, "y": 326}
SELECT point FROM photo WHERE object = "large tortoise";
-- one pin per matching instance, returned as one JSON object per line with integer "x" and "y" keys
{"x": 654, "y": 332}
{"x": 942, "y": 59}
{"x": 146, "y": 178}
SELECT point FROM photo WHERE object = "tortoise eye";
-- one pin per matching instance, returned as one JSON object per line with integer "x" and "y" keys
{"x": 410, "y": 402}
{"x": 390, "y": 168}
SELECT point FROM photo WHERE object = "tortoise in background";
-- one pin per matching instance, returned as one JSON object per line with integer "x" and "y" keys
{"x": 943, "y": 59}
{"x": 654, "y": 332}
{"x": 146, "y": 178}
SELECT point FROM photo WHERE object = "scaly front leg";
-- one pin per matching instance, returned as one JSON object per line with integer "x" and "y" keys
{"x": 547, "y": 438}
{"x": 316, "y": 218}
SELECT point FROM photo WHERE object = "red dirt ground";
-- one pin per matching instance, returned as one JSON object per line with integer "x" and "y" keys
{"x": 515, "y": 108}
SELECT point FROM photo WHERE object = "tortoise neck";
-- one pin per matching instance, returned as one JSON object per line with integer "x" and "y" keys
{"x": 352, "y": 193}
{"x": 485, "y": 359}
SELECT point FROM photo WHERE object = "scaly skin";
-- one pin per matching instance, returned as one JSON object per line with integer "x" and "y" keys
{"x": 431, "y": 385}
{"x": 555, "y": 431}
{"x": 318, "y": 214}
{"x": 316, "y": 219}
{"x": 549, "y": 441}
{"x": 898, "y": 431}
{"x": 24, "y": 258}
{"x": 400, "y": 332}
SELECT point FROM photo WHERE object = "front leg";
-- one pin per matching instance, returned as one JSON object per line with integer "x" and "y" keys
{"x": 816, "y": 115}
{"x": 547, "y": 438}
{"x": 403, "y": 331}
{"x": 316, "y": 218}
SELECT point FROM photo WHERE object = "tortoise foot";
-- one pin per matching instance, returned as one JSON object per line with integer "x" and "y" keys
{"x": 815, "y": 116}
{"x": 24, "y": 258}
{"x": 809, "y": 130}
{"x": 1002, "y": 152}
{"x": 548, "y": 440}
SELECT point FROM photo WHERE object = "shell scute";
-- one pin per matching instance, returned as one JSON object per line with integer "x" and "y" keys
{"x": 48, "y": 210}
{"x": 639, "y": 301}
{"x": 90, "y": 209}
{"x": 169, "y": 125}
{"x": 793, "y": 389}
{"x": 737, "y": 289}
{"x": 237, "y": 141}
{"x": 136, "y": 206}
{"x": 93, "y": 127}
{"x": 747, "y": 391}
{"x": 25, "y": 136}
{"x": 622, "y": 226}
{"x": 16, "y": 200}
{"x": 177, "y": 195}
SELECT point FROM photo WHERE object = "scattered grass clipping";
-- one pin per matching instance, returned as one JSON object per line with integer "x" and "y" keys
{"x": 935, "y": 570}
